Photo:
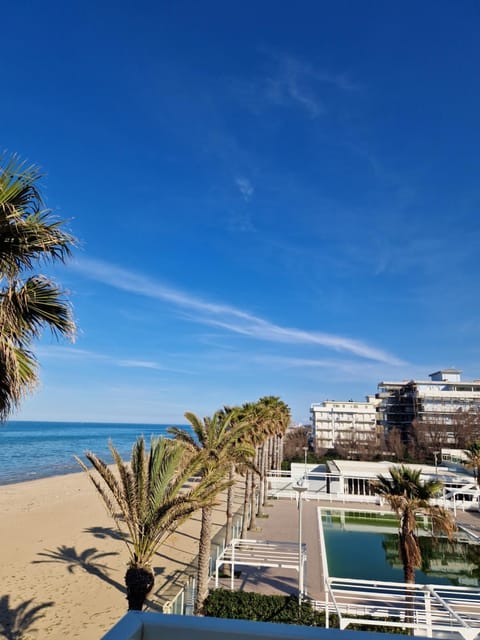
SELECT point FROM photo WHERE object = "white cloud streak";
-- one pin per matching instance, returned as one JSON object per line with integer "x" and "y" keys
{"x": 68, "y": 353}
{"x": 224, "y": 316}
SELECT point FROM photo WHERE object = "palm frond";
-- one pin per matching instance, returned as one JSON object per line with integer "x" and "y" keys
{"x": 18, "y": 374}
{"x": 27, "y": 232}
{"x": 26, "y": 308}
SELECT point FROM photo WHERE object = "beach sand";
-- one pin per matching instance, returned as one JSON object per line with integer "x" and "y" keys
{"x": 62, "y": 564}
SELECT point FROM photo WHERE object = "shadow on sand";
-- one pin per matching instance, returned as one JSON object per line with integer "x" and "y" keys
{"x": 15, "y": 623}
{"x": 105, "y": 532}
{"x": 90, "y": 560}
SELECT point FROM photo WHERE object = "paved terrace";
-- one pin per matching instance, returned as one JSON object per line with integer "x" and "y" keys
{"x": 282, "y": 526}
{"x": 177, "y": 557}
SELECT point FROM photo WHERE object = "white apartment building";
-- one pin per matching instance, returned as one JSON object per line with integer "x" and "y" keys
{"x": 440, "y": 400}
{"x": 336, "y": 421}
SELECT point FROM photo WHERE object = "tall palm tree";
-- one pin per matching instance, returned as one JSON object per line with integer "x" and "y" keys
{"x": 147, "y": 500}
{"x": 275, "y": 420}
{"x": 28, "y": 302}
{"x": 218, "y": 443}
{"x": 251, "y": 414}
{"x": 473, "y": 452}
{"x": 408, "y": 495}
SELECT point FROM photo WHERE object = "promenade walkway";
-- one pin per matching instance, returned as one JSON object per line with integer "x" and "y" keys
{"x": 281, "y": 525}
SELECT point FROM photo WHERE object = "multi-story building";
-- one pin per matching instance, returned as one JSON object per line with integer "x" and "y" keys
{"x": 340, "y": 421}
{"x": 444, "y": 401}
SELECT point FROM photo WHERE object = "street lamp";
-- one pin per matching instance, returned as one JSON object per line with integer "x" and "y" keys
{"x": 435, "y": 453}
{"x": 300, "y": 489}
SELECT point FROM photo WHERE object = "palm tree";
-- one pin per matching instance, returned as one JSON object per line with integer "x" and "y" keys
{"x": 408, "y": 495}
{"x": 28, "y": 302}
{"x": 275, "y": 420}
{"x": 473, "y": 452}
{"x": 147, "y": 500}
{"x": 218, "y": 443}
{"x": 251, "y": 414}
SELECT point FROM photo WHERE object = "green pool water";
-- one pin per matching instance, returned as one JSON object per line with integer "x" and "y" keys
{"x": 371, "y": 554}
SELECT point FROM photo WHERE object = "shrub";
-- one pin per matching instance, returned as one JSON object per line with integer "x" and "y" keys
{"x": 245, "y": 605}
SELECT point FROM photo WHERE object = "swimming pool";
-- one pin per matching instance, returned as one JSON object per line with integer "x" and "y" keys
{"x": 364, "y": 545}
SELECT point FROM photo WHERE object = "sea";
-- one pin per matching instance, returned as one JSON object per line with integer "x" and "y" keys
{"x": 31, "y": 450}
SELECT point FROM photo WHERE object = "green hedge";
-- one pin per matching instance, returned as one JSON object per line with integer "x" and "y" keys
{"x": 245, "y": 605}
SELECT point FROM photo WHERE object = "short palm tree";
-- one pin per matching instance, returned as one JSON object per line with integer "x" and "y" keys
{"x": 28, "y": 302}
{"x": 473, "y": 452}
{"x": 147, "y": 500}
{"x": 218, "y": 442}
{"x": 408, "y": 495}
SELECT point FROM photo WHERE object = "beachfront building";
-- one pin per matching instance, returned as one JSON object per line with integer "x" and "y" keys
{"x": 447, "y": 408}
{"x": 349, "y": 423}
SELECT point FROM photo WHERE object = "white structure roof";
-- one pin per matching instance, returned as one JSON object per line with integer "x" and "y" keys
{"x": 360, "y": 469}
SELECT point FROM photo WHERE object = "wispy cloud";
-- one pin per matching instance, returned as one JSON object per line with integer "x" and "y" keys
{"x": 296, "y": 82}
{"x": 245, "y": 187}
{"x": 225, "y": 316}
{"x": 290, "y": 86}
{"x": 67, "y": 353}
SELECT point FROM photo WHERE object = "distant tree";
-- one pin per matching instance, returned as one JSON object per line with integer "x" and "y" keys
{"x": 357, "y": 446}
{"x": 408, "y": 496}
{"x": 465, "y": 428}
{"x": 29, "y": 302}
{"x": 473, "y": 452}
{"x": 147, "y": 500}
{"x": 296, "y": 438}
{"x": 394, "y": 443}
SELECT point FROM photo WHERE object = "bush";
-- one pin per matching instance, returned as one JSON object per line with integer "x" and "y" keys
{"x": 245, "y": 605}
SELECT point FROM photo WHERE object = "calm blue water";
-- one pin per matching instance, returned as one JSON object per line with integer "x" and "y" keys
{"x": 372, "y": 555}
{"x": 30, "y": 450}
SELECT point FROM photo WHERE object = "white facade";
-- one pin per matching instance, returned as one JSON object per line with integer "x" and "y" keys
{"x": 437, "y": 400}
{"x": 347, "y": 421}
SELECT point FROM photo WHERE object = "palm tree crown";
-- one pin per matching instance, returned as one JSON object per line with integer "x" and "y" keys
{"x": 28, "y": 302}
{"x": 473, "y": 452}
{"x": 218, "y": 441}
{"x": 148, "y": 499}
{"x": 408, "y": 495}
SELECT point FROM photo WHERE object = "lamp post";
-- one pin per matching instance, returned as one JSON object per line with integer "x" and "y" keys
{"x": 435, "y": 453}
{"x": 300, "y": 489}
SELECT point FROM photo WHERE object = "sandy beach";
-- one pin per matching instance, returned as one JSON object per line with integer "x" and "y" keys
{"x": 62, "y": 563}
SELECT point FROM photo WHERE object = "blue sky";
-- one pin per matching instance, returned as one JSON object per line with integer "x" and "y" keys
{"x": 270, "y": 198}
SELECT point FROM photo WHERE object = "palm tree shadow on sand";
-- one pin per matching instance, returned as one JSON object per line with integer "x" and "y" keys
{"x": 105, "y": 532}
{"x": 14, "y": 623}
{"x": 90, "y": 560}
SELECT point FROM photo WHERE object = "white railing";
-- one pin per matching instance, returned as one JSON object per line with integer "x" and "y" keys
{"x": 427, "y": 609}
{"x": 330, "y": 487}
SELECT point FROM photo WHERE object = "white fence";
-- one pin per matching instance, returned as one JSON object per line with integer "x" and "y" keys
{"x": 327, "y": 487}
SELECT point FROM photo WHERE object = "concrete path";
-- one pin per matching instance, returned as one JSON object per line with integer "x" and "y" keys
{"x": 282, "y": 526}
{"x": 177, "y": 556}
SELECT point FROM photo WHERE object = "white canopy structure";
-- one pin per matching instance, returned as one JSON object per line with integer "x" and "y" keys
{"x": 262, "y": 553}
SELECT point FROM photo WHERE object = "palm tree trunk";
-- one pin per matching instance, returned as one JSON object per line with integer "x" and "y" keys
{"x": 229, "y": 514}
{"x": 246, "y": 504}
{"x": 139, "y": 582}
{"x": 409, "y": 578}
{"x": 203, "y": 559}
{"x": 270, "y": 465}
{"x": 261, "y": 484}
{"x": 253, "y": 503}
{"x": 280, "y": 452}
